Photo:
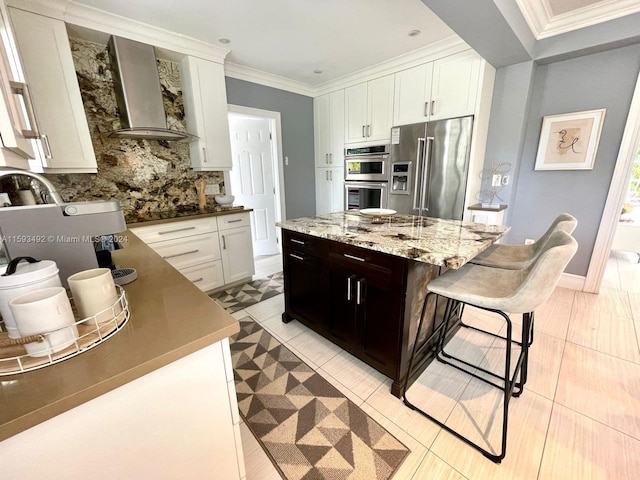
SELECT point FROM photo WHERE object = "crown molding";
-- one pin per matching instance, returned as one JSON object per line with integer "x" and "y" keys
{"x": 536, "y": 14}
{"x": 48, "y": 8}
{"x": 253, "y": 75}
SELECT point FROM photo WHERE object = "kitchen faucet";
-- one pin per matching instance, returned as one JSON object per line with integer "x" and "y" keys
{"x": 53, "y": 196}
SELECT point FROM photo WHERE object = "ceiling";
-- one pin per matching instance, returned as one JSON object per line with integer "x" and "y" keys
{"x": 295, "y": 39}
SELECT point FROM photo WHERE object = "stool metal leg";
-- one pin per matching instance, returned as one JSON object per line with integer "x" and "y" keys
{"x": 508, "y": 382}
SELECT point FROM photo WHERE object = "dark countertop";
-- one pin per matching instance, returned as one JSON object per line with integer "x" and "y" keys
{"x": 173, "y": 215}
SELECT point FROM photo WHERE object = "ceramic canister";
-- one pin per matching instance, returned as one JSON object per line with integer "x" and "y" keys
{"x": 94, "y": 292}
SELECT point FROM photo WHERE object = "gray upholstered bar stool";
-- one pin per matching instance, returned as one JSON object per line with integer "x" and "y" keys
{"x": 499, "y": 291}
{"x": 517, "y": 257}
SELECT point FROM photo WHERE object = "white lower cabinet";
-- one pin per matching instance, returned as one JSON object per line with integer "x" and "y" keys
{"x": 329, "y": 190}
{"x": 211, "y": 252}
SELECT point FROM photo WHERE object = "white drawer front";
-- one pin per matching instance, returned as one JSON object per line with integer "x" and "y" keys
{"x": 234, "y": 220}
{"x": 206, "y": 276}
{"x": 179, "y": 229}
{"x": 189, "y": 251}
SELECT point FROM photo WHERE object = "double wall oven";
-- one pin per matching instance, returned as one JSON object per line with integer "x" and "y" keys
{"x": 366, "y": 177}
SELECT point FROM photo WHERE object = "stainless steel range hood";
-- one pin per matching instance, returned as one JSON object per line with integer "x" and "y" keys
{"x": 138, "y": 92}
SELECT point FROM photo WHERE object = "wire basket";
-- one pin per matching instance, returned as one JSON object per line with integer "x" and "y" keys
{"x": 92, "y": 331}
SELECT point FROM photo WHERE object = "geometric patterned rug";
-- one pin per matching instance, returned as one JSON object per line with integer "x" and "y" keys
{"x": 248, "y": 294}
{"x": 308, "y": 428}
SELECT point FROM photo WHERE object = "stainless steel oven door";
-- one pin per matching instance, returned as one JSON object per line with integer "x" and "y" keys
{"x": 358, "y": 195}
{"x": 367, "y": 168}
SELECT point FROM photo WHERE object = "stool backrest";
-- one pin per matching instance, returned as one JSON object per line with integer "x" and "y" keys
{"x": 563, "y": 222}
{"x": 543, "y": 275}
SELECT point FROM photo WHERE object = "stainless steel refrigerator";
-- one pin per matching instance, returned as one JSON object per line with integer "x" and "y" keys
{"x": 429, "y": 168}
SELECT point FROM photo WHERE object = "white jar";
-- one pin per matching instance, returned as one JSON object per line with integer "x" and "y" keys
{"x": 27, "y": 277}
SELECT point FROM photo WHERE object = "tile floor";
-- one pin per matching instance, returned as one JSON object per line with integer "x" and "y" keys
{"x": 579, "y": 417}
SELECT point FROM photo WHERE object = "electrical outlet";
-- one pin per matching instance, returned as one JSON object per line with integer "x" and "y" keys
{"x": 212, "y": 189}
{"x": 505, "y": 180}
{"x": 529, "y": 241}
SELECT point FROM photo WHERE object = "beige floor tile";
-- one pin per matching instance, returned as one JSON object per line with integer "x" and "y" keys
{"x": 418, "y": 451}
{"x": 240, "y": 314}
{"x": 479, "y": 417}
{"x": 563, "y": 295}
{"x": 267, "y": 309}
{"x": 435, "y": 468}
{"x": 282, "y": 331}
{"x": 614, "y": 302}
{"x": 356, "y": 375}
{"x": 552, "y": 318}
{"x": 611, "y": 278}
{"x": 316, "y": 348}
{"x": 601, "y": 387}
{"x": 342, "y": 388}
{"x": 604, "y": 332}
{"x": 634, "y": 301}
{"x": 579, "y": 448}
{"x": 256, "y": 462}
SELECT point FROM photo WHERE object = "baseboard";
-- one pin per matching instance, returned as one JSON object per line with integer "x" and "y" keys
{"x": 572, "y": 282}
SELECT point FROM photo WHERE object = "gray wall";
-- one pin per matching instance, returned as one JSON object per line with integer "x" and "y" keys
{"x": 603, "y": 80}
{"x": 297, "y": 138}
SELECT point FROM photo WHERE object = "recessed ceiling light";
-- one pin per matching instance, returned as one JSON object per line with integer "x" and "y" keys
{"x": 414, "y": 33}
{"x": 224, "y": 40}
{"x": 317, "y": 71}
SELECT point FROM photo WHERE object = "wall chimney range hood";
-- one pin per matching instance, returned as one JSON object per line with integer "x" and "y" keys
{"x": 138, "y": 92}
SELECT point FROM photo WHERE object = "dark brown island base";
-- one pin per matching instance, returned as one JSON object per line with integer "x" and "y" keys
{"x": 361, "y": 282}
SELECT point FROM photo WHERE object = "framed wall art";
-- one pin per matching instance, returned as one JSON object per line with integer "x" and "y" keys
{"x": 569, "y": 141}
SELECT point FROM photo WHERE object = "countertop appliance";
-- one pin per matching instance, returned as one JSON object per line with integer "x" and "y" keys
{"x": 429, "y": 168}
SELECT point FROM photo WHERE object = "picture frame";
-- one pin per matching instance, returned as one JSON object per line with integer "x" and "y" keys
{"x": 569, "y": 141}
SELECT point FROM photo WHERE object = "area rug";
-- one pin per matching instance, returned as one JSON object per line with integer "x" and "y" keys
{"x": 243, "y": 296}
{"x": 307, "y": 427}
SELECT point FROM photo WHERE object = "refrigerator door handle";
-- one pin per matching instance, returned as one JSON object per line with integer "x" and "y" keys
{"x": 426, "y": 174}
{"x": 416, "y": 189}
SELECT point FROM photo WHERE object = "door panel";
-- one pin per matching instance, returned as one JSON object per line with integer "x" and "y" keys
{"x": 341, "y": 321}
{"x": 303, "y": 283}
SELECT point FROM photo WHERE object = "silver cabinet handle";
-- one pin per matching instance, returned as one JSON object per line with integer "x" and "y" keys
{"x": 331, "y": 158}
{"x": 295, "y": 240}
{"x": 426, "y": 109}
{"x": 359, "y": 292}
{"x": 331, "y": 175}
{"x": 368, "y": 130}
{"x": 433, "y": 107}
{"x": 176, "y": 230}
{"x": 45, "y": 142}
{"x": 20, "y": 88}
{"x": 349, "y": 289}
{"x": 297, "y": 257}
{"x": 363, "y": 131}
{"x": 235, "y": 221}
{"x": 326, "y": 158}
{"x": 224, "y": 243}
{"x": 326, "y": 175}
{"x": 353, "y": 257}
{"x": 199, "y": 279}
{"x": 204, "y": 154}
{"x": 166, "y": 257}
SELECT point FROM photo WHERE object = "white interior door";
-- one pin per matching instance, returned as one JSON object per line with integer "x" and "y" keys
{"x": 252, "y": 181}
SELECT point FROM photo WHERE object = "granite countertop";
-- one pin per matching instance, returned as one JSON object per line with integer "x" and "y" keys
{"x": 170, "y": 319}
{"x": 450, "y": 243}
{"x": 173, "y": 215}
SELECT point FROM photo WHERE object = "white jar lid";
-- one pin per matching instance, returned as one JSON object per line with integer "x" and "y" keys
{"x": 27, "y": 273}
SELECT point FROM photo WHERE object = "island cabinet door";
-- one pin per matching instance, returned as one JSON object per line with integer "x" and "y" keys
{"x": 341, "y": 321}
{"x": 304, "y": 288}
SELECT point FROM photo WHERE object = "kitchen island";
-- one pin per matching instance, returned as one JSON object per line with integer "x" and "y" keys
{"x": 155, "y": 400}
{"x": 361, "y": 281}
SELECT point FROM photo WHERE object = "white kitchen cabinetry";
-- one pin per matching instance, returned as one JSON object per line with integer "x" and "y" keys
{"x": 329, "y": 190}
{"x": 205, "y": 107}
{"x": 236, "y": 247}
{"x": 445, "y": 88}
{"x": 328, "y": 118}
{"x": 46, "y": 58}
{"x": 181, "y": 421}
{"x": 369, "y": 111}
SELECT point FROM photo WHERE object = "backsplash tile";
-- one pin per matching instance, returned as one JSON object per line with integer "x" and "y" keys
{"x": 146, "y": 176}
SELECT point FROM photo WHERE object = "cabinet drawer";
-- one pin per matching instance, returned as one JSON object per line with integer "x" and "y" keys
{"x": 304, "y": 243}
{"x": 189, "y": 251}
{"x": 366, "y": 258}
{"x": 171, "y": 230}
{"x": 234, "y": 220}
{"x": 206, "y": 276}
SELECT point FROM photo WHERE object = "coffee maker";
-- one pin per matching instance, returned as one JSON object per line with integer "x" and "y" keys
{"x": 65, "y": 232}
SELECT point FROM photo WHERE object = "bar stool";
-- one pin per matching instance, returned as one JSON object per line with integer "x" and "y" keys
{"x": 495, "y": 290}
{"x": 518, "y": 257}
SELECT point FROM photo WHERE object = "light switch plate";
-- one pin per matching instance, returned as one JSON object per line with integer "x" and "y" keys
{"x": 212, "y": 189}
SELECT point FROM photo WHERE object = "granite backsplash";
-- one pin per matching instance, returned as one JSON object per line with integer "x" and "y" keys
{"x": 146, "y": 176}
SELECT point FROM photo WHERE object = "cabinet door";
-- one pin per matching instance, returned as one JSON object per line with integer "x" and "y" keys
{"x": 411, "y": 102}
{"x": 323, "y": 191}
{"x": 322, "y": 134}
{"x": 355, "y": 108}
{"x": 336, "y": 129}
{"x": 380, "y": 109}
{"x": 303, "y": 283}
{"x": 237, "y": 254}
{"x": 46, "y": 56}
{"x": 455, "y": 85}
{"x": 205, "y": 106}
{"x": 341, "y": 320}
{"x": 337, "y": 189}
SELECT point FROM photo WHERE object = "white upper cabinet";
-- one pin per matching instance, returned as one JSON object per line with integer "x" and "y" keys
{"x": 46, "y": 58}
{"x": 369, "y": 111}
{"x": 445, "y": 88}
{"x": 205, "y": 107}
{"x": 328, "y": 118}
